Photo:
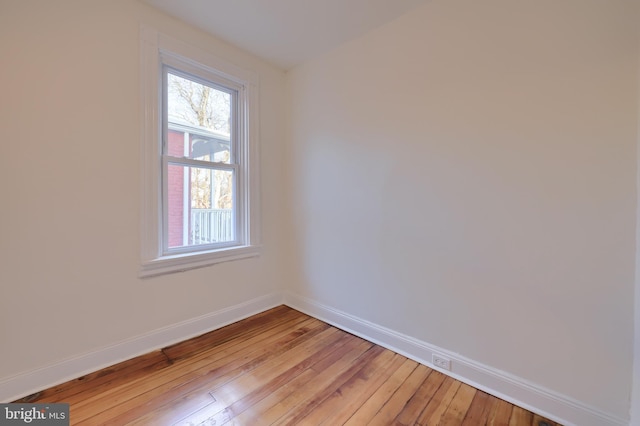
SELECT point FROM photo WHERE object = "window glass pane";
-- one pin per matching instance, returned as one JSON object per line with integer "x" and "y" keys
{"x": 199, "y": 206}
{"x": 199, "y": 120}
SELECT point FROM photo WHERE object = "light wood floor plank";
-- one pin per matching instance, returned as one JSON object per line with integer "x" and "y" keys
{"x": 195, "y": 363}
{"x": 520, "y": 416}
{"x": 401, "y": 396}
{"x": 419, "y": 400}
{"x": 296, "y": 415}
{"x": 129, "y": 407}
{"x": 322, "y": 377}
{"x": 501, "y": 414}
{"x": 341, "y": 404}
{"x": 457, "y": 410}
{"x": 437, "y": 411}
{"x": 175, "y": 410}
{"x": 367, "y": 411}
{"x": 193, "y": 374}
{"x": 478, "y": 412}
{"x": 252, "y": 388}
{"x": 349, "y": 397}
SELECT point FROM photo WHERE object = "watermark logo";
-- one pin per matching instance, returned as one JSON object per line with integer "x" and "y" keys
{"x": 34, "y": 414}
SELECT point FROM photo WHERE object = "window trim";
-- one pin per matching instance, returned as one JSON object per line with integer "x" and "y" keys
{"x": 158, "y": 50}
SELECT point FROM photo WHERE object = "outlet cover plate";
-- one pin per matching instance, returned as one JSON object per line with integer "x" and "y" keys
{"x": 441, "y": 361}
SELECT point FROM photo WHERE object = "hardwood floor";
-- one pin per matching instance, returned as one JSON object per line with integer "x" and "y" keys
{"x": 280, "y": 367}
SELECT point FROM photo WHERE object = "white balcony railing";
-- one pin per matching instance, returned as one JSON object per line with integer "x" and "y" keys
{"x": 211, "y": 226}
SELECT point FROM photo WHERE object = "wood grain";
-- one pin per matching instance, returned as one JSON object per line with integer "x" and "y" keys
{"x": 279, "y": 367}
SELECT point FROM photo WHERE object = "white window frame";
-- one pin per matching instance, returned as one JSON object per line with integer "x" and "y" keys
{"x": 157, "y": 51}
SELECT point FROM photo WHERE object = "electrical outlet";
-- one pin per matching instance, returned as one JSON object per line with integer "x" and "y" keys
{"x": 441, "y": 362}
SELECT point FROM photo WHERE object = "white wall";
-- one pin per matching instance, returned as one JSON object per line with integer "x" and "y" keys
{"x": 466, "y": 176}
{"x": 70, "y": 184}
{"x": 635, "y": 393}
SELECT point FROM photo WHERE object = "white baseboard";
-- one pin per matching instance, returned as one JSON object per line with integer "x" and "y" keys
{"x": 33, "y": 381}
{"x": 501, "y": 384}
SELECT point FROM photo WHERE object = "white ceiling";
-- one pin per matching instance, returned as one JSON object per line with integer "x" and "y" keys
{"x": 286, "y": 32}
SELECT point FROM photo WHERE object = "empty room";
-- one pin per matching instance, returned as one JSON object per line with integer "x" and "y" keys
{"x": 320, "y": 212}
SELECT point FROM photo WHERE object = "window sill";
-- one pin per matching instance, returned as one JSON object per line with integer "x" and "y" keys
{"x": 184, "y": 262}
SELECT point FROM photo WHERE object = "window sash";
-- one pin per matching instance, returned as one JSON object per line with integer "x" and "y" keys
{"x": 237, "y": 219}
{"x": 237, "y": 122}
{"x": 215, "y": 82}
{"x": 201, "y": 164}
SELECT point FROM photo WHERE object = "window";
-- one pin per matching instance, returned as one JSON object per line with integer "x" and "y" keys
{"x": 200, "y": 203}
